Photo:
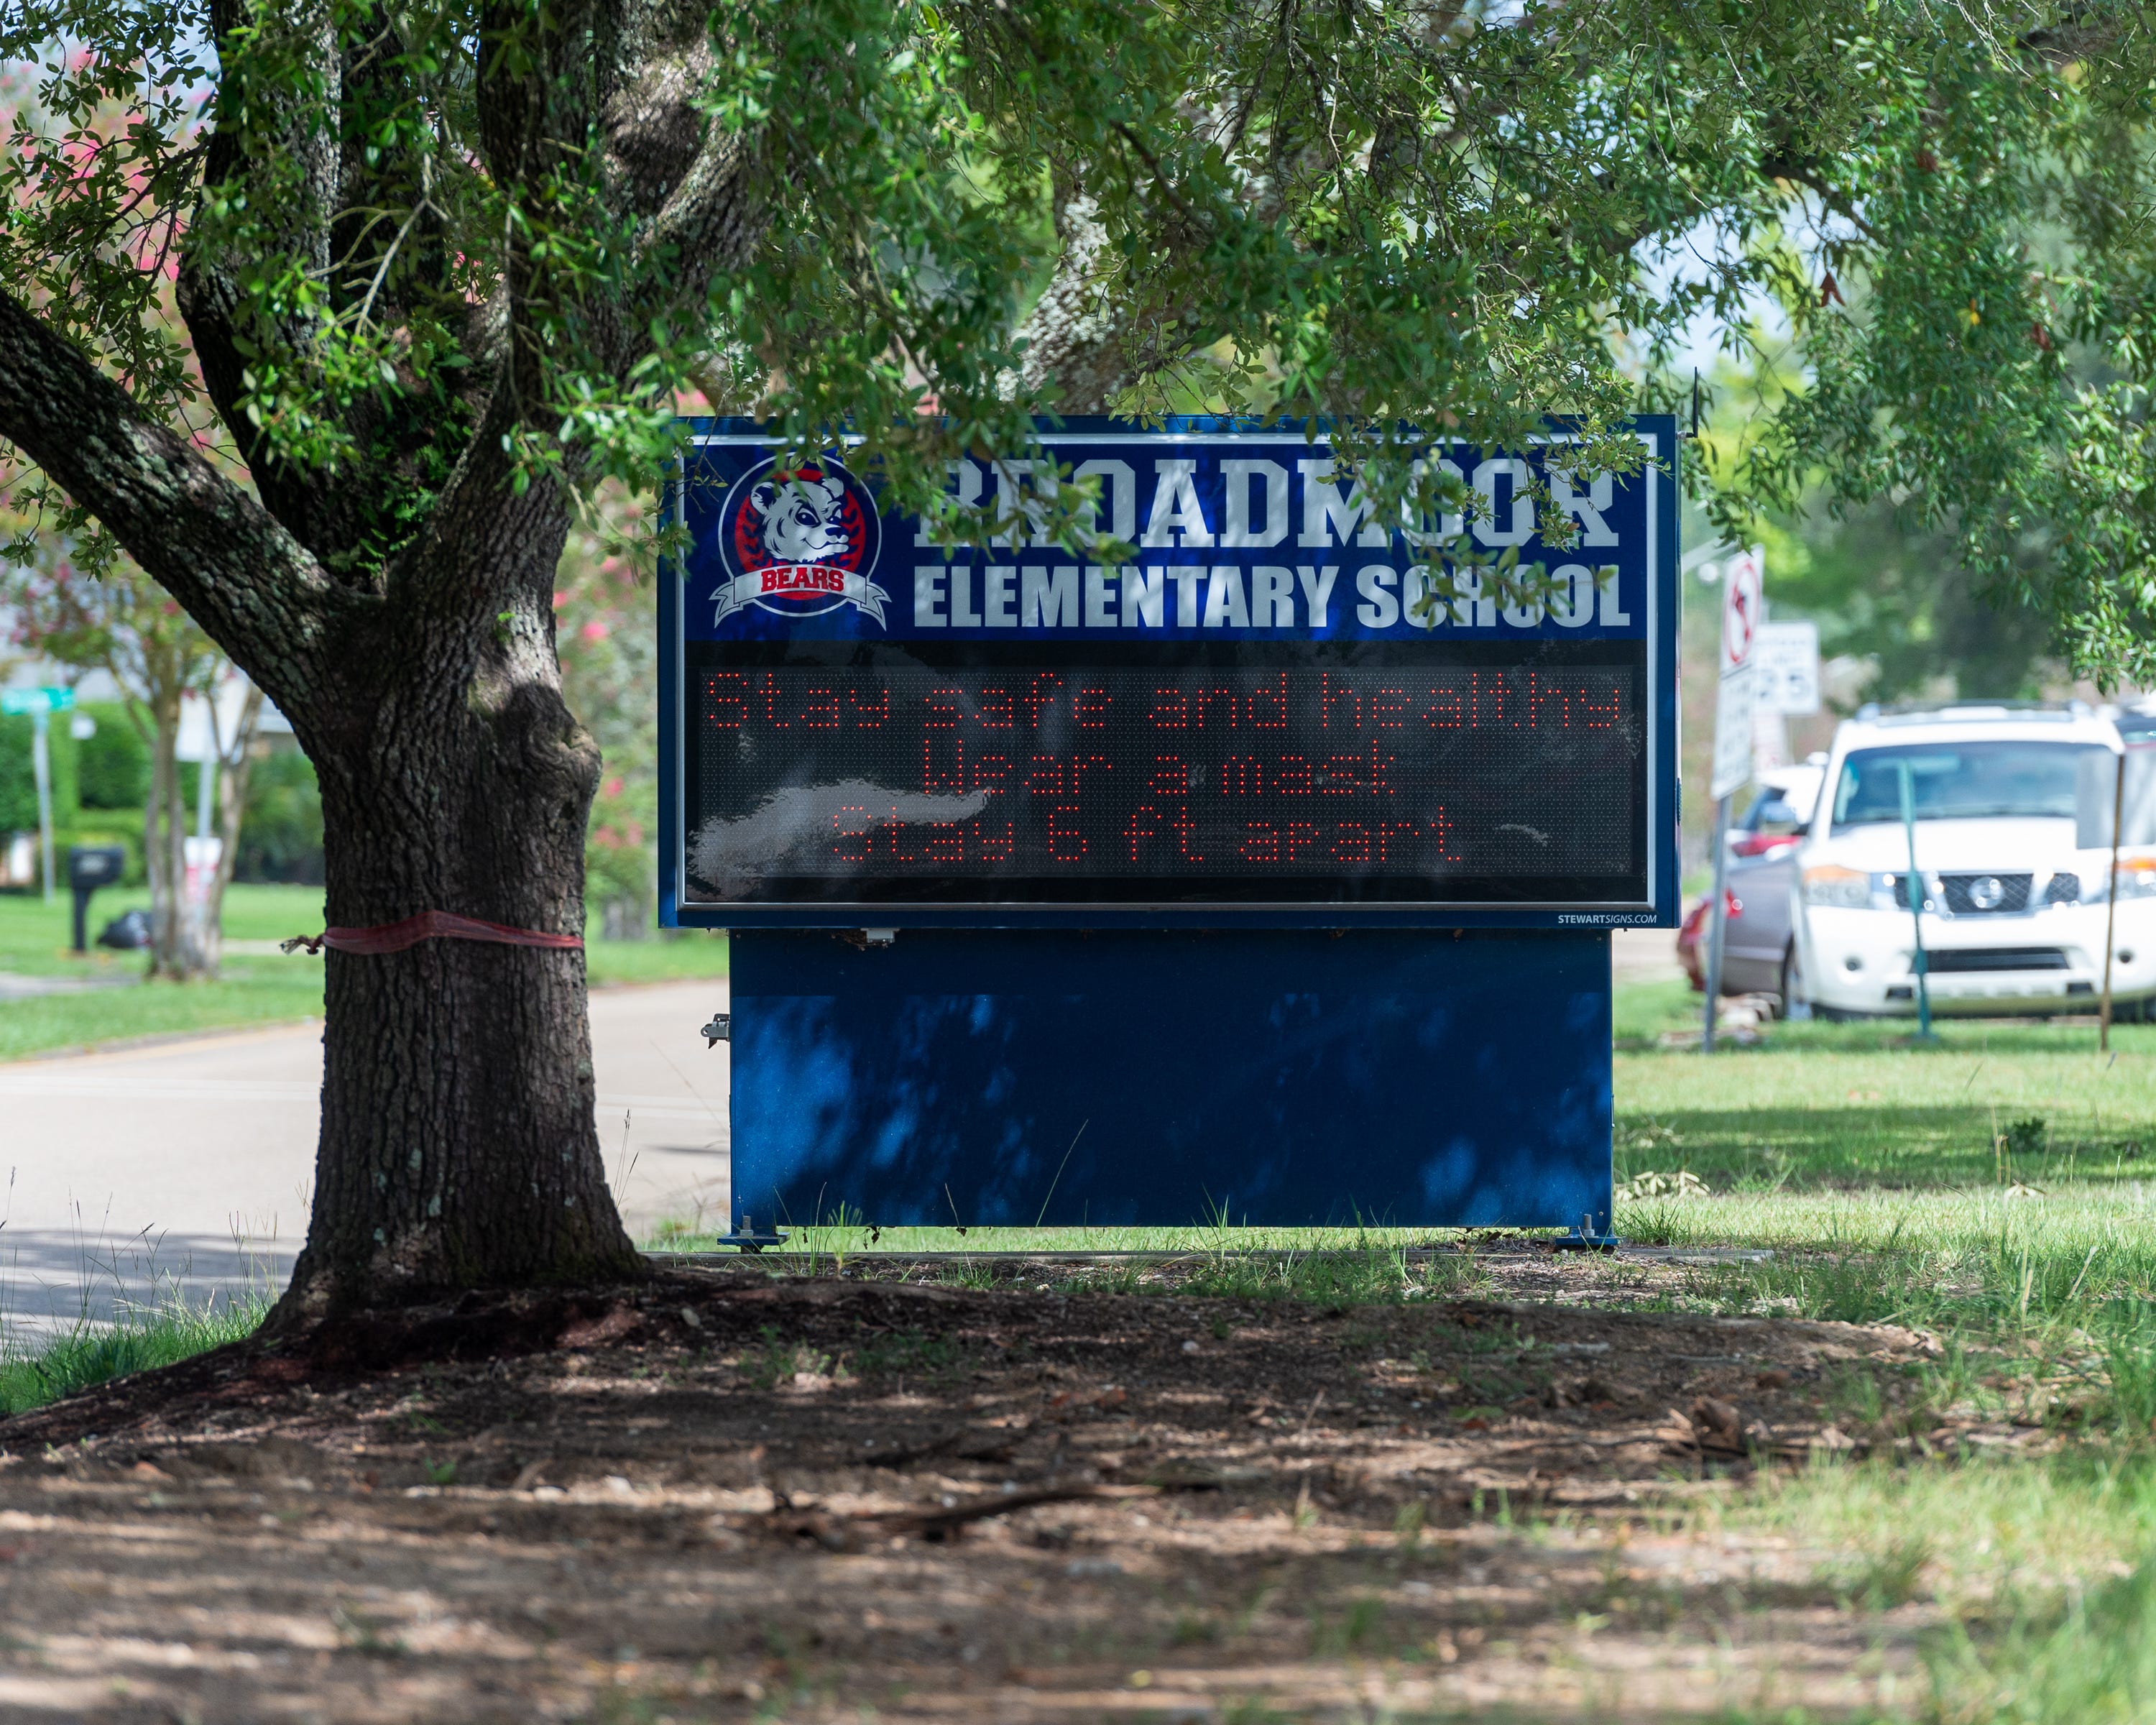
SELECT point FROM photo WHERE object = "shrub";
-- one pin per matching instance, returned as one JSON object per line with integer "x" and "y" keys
{"x": 18, "y": 788}
{"x": 19, "y": 780}
{"x": 113, "y": 768}
{"x": 280, "y": 834}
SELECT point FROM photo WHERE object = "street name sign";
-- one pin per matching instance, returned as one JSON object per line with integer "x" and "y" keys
{"x": 36, "y": 701}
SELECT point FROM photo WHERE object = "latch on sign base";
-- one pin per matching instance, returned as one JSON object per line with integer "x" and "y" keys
{"x": 747, "y": 1237}
{"x": 720, "y": 1029}
{"x": 1586, "y": 1238}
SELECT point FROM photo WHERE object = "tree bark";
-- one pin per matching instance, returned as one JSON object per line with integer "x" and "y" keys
{"x": 458, "y": 1143}
{"x": 1075, "y": 344}
{"x": 460, "y": 1146}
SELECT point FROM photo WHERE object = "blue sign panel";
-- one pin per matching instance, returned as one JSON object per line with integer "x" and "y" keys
{"x": 1288, "y": 1078}
{"x": 1281, "y": 711}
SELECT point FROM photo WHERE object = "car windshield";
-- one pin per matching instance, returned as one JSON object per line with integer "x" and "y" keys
{"x": 1976, "y": 781}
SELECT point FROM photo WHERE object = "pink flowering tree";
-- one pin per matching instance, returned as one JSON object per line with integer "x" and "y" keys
{"x": 74, "y": 596}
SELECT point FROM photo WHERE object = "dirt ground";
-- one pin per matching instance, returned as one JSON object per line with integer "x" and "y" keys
{"x": 728, "y": 1495}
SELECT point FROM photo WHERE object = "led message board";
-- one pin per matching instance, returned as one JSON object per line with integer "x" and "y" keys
{"x": 1256, "y": 717}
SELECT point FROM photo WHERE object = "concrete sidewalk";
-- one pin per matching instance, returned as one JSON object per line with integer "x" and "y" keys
{"x": 1645, "y": 955}
{"x": 185, "y": 1170}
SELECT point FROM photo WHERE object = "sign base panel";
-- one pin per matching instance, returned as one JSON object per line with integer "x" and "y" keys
{"x": 1432, "y": 1078}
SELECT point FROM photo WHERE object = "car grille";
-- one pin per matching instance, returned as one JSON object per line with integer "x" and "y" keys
{"x": 1961, "y": 890}
{"x": 1965, "y": 959}
{"x": 2065, "y": 889}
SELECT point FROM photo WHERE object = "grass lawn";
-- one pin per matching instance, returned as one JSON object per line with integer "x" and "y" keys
{"x": 255, "y": 988}
{"x": 1999, "y": 1189}
{"x": 30, "y": 1377}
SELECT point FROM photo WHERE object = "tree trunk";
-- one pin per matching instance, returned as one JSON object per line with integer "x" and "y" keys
{"x": 235, "y": 761}
{"x": 458, "y": 1143}
{"x": 163, "y": 830}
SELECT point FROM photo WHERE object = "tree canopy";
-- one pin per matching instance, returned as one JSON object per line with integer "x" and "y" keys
{"x": 401, "y": 233}
{"x": 330, "y": 311}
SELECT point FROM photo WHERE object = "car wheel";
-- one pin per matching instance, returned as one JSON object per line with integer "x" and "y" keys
{"x": 1796, "y": 1005}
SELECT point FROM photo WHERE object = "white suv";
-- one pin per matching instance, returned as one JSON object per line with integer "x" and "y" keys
{"x": 2012, "y": 810}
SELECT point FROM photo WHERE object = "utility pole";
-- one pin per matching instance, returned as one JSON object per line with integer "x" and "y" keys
{"x": 41, "y": 767}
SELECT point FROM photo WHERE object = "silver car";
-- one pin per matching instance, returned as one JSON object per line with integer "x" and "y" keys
{"x": 1760, "y": 882}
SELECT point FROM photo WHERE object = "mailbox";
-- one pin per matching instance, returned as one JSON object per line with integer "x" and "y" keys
{"x": 89, "y": 867}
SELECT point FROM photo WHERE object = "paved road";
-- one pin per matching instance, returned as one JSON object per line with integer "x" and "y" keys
{"x": 185, "y": 1170}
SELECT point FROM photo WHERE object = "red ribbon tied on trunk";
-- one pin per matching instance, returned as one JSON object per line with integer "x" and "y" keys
{"x": 429, "y": 926}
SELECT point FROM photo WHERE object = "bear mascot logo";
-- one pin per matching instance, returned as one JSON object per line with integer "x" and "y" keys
{"x": 798, "y": 542}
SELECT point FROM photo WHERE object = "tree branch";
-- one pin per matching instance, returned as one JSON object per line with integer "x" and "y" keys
{"x": 689, "y": 181}
{"x": 249, "y": 583}
{"x": 1073, "y": 336}
{"x": 286, "y": 220}
{"x": 1779, "y": 164}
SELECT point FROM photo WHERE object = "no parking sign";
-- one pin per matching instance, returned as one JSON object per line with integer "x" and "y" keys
{"x": 1742, "y": 602}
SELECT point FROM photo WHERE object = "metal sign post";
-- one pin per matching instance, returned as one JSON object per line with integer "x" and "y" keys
{"x": 1736, "y": 707}
{"x": 2111, "y": 904}
{"x": 1265, "y": 873}
{"x": 1918, "y": 897}
{"x": 40, "y": 704}
{"x": 41, "y": 769}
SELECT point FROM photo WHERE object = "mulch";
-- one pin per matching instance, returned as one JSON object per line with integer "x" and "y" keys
{"x": 724, "y": 1492}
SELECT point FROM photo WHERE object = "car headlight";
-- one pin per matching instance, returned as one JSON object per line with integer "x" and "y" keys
{"x": 1846, "y": 889}
{"x": 2137, "y": 877}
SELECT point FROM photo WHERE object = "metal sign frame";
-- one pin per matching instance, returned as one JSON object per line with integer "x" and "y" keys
{"x": 1649, "y": 571}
